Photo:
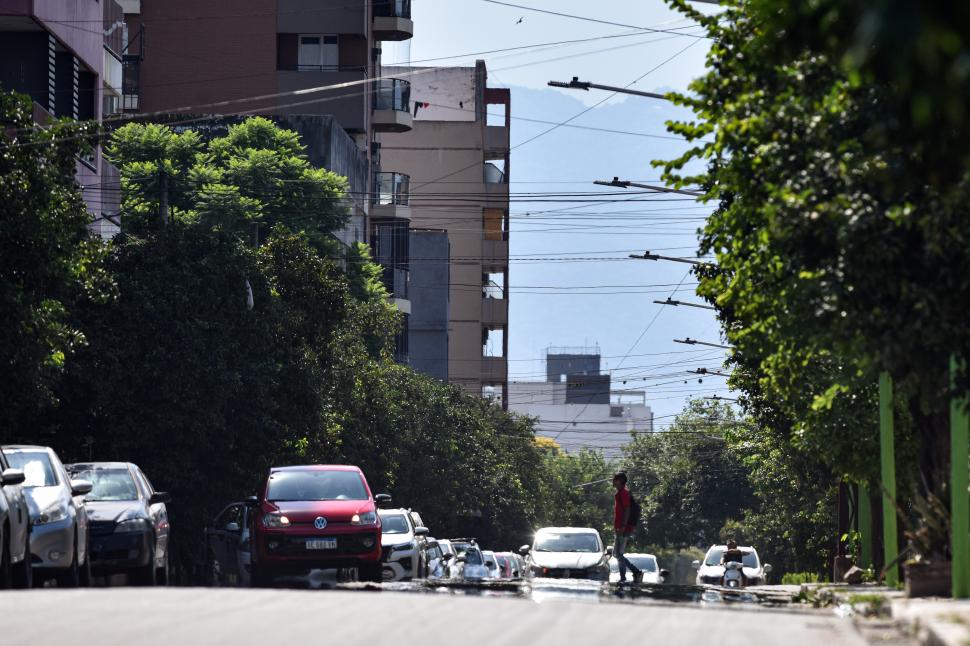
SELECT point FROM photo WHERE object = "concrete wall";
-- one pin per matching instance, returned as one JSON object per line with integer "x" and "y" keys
{"x": 449, "y": 90}
{"x": 428, "y": 326}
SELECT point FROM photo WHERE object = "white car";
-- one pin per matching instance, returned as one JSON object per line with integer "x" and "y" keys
{"x": 402, "y": 546}
{"x": 567, "y": 553}
{"x": 448, "y": 556}
{"x": 711, "y": 571}
{"x": 470, "y": 562}
{"x": 646, "y": 563}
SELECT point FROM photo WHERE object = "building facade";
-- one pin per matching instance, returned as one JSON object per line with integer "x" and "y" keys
{"x": 66, "y": 55}
{"x": 456, "y": 157}
{"x": 577, "y": 407}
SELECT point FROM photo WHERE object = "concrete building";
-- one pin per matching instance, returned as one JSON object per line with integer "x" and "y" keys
{"x": 267, "y": 57}
{"x": 66, "y": 55}
{"x": 428, "y": 323}
{"x": 457, "y": 160}
{"x": 577, "y": 407}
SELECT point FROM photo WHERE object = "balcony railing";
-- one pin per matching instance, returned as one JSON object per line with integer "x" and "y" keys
{"x": 391, "y": 188}
{"x": 392, "y": 8}
{"x": 392, "y": 94}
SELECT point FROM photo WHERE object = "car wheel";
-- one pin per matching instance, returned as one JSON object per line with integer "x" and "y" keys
{"x": 5, "y": 569}
{"x": 23, "y": 573}
{"x": 371, "y": 572}
{"x": 70, "y": 578}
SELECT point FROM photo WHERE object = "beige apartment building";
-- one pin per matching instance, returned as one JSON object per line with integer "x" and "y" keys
{"x": 457, "y": 159}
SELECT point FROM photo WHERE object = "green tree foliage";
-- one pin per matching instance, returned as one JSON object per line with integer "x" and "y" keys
{"x": 48, "y": 262}
{"x": 689, "y": 479}
{"x": 840, "y": 243}
{"x": 575, "y": 490}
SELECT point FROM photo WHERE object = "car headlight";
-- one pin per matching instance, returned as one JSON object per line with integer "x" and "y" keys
{"x": 403, "y": 547}
{"x": 275, "y": 519}
{"x": 52, "y": 514}
{"x": 132, "y": 525}
{"x": 367, "y": 518}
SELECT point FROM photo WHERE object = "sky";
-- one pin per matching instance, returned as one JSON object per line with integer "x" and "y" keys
{"x": 571, "y": 282}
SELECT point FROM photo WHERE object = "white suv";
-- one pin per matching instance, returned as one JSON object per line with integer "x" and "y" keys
{"x": 403, "y": 546}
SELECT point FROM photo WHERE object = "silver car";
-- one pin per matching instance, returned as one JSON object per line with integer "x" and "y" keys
{"x": 15, "y": 567}
{"x": 59, "y": 522}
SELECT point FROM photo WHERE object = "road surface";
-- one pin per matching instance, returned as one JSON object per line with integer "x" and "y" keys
{"x": 190, "y": 616}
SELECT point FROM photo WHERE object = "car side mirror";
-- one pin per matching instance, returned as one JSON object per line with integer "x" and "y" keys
{"x": 768, "y": 568}
{"x": 696, "y": 565}
{"x": 12, "y": 477}
{"x": 81, "y": 487}
{"x": 251, "y": 501}
{"x": 159, "y": 498}
{"x": 609, "y": 550}
{"x": 524, "y": 550}
{"x": 232, "y": 527}
{"x": 447, "y": 557}
{"x": 382, "y": 499}
{"x": 421, "y": 531}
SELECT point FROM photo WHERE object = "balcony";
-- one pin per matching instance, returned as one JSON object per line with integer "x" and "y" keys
{"x": 392, "y": 106}
{"x": 392, "y": 195}
{"x": 495, "y": 255}
{"x": 392, "y": 20}
{"x": 495, "y": 312}
{"x": 496, "y": 141}
{"x": 495, "y": 370}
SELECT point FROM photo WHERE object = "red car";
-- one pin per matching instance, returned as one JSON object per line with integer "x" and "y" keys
{"x": 317, "y": 516}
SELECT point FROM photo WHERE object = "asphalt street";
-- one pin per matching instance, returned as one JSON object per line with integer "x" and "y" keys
{"x": 238, "y": 617}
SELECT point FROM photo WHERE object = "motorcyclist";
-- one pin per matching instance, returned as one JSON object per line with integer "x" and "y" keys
{"x": 735, "y": 555}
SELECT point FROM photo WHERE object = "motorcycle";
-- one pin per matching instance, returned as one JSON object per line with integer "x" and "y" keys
{"x": 733, "y": 575}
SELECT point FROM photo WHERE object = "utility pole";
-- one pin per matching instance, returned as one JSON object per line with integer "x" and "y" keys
{"x": 163, "y": 198}
{"x": 616, "y": 182}
{"x": 576, "y": 84}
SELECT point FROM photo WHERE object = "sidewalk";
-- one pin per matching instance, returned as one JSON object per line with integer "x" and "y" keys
{"x": 934, "y": 621}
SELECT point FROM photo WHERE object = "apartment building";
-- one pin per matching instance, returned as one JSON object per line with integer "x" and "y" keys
{"x": 577, "y": 405}
{"x": 66, "y": 55}
{"x": 268, "y": 57}
{"x": 456, "y": 159}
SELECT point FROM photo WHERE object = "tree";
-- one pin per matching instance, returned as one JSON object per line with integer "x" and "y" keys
{"x": 690, "y": 480}
{"x": 840, "y": 250}
{"x": 48, "y": 262}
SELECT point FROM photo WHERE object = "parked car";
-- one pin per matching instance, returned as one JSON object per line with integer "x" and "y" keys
{"x": 510, "y": 564}
{"x": 567, "y": 553}
{"x": 711, "y": 571}
{"x": 127, "y": 522}
{"x": 469, "y": 562}
{"x": 229, "y": 548}
{"x": 646, "y": 563}
{"x": 491, "y": 564}
{"x": 315, "y": 517}
{"x": 58, "y": 518}
{"x": 403, "y": 546}
{"x": 437, "y": 563}
{"x": 448, "y": 555}
{"x": 15, "y": 569}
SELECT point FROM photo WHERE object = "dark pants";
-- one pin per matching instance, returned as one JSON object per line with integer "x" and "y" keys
{"x": 619, "y": 550}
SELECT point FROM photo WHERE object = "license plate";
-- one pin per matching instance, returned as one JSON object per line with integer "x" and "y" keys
{"x": 321, "y": 544}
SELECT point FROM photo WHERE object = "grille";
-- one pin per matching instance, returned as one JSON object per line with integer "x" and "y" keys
{"x": 101, "y": 527}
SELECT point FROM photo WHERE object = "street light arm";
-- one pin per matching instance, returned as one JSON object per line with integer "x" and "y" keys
{"x": 670, "y": 301}
{"x": 690, "y": 341}
{"x": 618, "y": 183}
{"x": 576, "y": 84}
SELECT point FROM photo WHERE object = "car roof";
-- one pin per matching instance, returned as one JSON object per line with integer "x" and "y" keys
{"x": 99, "y": 465}
{"x": 392, "y": 510}
{"x": 316, "y": 467}
{"x": 569, "y": 530}
{"x": 26, "y": 447}
{"x": 640, "y": 554}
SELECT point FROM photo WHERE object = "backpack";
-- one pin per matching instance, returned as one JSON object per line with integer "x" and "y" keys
{"x": 635, "y": 512}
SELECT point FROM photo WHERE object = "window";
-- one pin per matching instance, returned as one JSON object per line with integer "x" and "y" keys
{"x": 109, "y": 484}
{"x": 316, "y": 485}
{"x": 319, "y": 52}
{"x": 36, "y": 465}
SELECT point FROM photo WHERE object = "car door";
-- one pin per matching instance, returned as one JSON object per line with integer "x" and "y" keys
{"x": 223, "y": 541}
{"x": 158, "y": 513}
{"x": 18, "y": 515}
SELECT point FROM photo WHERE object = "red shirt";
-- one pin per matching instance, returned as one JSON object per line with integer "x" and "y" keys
{"x": 621, "y": 502}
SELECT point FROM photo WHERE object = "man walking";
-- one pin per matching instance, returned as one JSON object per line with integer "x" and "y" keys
{"x": 622, "y": 506}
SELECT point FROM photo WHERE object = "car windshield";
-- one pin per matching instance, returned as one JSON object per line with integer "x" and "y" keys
{"x": 472, "y": 555}
{"x": 108, "y": 484}
{"x": 553, "y": 542}
{"x": 394, "y": 524}
{"x": 644, "y": 563}
{"x": 36, "y": 465}
{"x": 316, "y": 485}
{"x": 748, "y": 557}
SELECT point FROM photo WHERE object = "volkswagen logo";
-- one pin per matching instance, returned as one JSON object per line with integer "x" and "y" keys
{"x": 320, "y": 522}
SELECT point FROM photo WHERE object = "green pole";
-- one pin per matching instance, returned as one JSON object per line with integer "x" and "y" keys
{"x": 888, "y": 454}
{"x": 959, "y": 504}
{"x": 865, "y": 528}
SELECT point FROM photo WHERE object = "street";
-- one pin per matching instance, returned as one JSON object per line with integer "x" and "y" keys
{"x": 168, "y": 616}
